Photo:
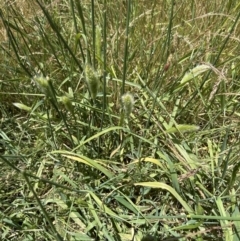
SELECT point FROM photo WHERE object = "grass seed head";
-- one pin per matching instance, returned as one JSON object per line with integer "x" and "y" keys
{"x": 42, "y": 82}
{"x": 92, "y": 80}
{"x": 128, "y": 103}
{"x": 67, "y": 103}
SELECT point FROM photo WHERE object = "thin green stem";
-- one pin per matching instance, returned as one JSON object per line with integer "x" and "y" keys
{"x": 126, "y": 45}
{"x": 93, "y": 33}
{"x": 55, "y": 233}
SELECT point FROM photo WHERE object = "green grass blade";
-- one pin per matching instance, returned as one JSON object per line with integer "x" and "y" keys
{"x": 168, "y": 188}
{"x": 87, "y": 161}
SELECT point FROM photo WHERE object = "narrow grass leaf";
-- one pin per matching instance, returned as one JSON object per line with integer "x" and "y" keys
{"x": 194, "y": 73}
{"x": 149, "y": 159}
{"x": 125, "y": 203}
{"x": 115, "y": 128}
{"x": 173, "y": 173}
{"x": 91, "y": 163}
{"x": 182, "y": 129}
{"x": 233, "y": 177}
{"x": 236, "y": 213}
{"x": 107, "y": 210}
{"x": 22, "y": 107}
{"x": 192, "y": 224}
{"x": 94, "y": 213}
{"x": 110, "y": 129}
{"x": 168, "y": 188}
{"x": 62, "y": 205}
{"x": 227, "y": 230}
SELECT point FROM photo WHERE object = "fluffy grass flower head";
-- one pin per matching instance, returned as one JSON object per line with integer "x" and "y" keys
{"x": 67, "y": 102}
{"x": 128, "y": 103}
{"x": 42, "y": 82}
{"x": 92, "y": 80}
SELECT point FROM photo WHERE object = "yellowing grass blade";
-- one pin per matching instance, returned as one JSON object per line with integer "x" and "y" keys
{"x": 91, "y": 163}
{"x": 22, "y": 107}
{"x": 183, "y": 128}
{"x": 148, "y": 159}
{"x": 168, "y": 188}
{"x": 194, "y": 73}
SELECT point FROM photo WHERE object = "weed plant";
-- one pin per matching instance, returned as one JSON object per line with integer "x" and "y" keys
{"x": 119, "y": 120}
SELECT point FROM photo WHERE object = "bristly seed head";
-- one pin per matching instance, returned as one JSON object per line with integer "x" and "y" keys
{"x": 42, "y": 82}
{"x": 92, "y": 80}
{"x": 67, "y": 102}
{"x": 128, "y": 103}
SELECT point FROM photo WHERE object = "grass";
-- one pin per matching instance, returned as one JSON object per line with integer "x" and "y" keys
{"x": 119, "y": 120}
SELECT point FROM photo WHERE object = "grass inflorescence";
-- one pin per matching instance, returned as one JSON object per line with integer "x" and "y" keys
{"x": 119, "y": 120}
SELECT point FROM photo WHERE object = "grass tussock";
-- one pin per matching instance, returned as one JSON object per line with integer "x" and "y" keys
{"x": 119, "y": 120}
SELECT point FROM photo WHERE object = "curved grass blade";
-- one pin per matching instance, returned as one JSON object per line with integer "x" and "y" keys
{"x": 183, "y": 128}
{"x": 89, "y": 162}
{"x": 228, "y": 234}
{"x": 168, "y": 188}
